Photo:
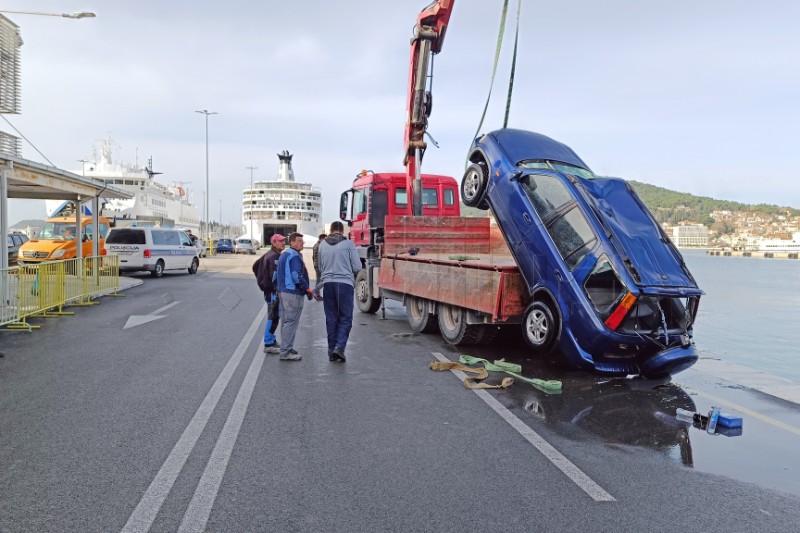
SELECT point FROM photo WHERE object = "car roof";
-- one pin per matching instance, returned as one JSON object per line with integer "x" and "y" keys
{"x": 522, "y": 145}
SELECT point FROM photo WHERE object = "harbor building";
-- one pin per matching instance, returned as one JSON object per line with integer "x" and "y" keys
{"x": 690, "y": 236}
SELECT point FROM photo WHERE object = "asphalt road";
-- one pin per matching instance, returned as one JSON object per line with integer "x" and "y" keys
{"x": 180, "y": 423}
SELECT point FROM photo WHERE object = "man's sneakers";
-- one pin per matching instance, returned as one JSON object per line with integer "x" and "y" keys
{"x": 292, "y": 357}
{"x": 337, "y": 355}
{"x": 272, "y": 348}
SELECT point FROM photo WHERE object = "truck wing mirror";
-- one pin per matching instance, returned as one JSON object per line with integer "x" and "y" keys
{"x": 361, "y": 216}
{"x": 344, "y": 203}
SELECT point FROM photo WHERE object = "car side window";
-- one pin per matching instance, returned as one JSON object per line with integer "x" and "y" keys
{"x": 572, "y": 236}
{"x": 160, "y": 237}
{"x": 185, "y": 241}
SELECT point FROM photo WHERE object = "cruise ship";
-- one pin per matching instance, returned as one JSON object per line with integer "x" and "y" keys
{"x": 281, "y": 206}
{"x": 153, "y": 203}
{"x": 780, "y": 245}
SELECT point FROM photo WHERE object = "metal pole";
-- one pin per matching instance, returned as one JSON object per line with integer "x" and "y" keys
{"x": 251, "y": 202}
{"x": 208, "y": 227}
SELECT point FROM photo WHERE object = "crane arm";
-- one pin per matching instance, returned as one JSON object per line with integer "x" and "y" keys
{"x": 428, "y": 39}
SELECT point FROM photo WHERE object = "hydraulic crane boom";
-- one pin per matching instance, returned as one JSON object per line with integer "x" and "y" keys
{"x": 428, "y": 40}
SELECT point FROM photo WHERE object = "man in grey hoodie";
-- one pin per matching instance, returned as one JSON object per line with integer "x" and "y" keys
{"x": 338, "y": 264}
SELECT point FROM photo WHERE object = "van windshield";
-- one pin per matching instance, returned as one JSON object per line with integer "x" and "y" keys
{"x": 56, "y": 231}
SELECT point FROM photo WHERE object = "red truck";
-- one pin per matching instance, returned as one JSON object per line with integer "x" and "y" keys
{"x": 452, "y": 273}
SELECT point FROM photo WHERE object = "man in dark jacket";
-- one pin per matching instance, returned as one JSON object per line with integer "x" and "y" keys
{"x": 265, "y": 269}
{"x": 315, "y": 258}
{"x": 339, "y": 263}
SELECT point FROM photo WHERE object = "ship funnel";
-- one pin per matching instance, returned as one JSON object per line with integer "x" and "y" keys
{"x": 285, "y": 172}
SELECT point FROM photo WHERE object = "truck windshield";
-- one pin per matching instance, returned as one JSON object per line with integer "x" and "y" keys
{"x": 56, "y": 230}
{"x": 557, "y": 165}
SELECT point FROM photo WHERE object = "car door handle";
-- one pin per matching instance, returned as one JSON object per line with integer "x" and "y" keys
{"x": 526, "y": 218}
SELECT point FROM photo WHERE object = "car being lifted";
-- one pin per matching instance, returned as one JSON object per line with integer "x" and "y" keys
{"x": 608, "y": 287}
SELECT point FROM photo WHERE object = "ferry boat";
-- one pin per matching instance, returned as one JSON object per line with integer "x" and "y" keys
{"x": 281, "y": 206}
{"x": 780, "y": 245}
{"x": 153, "y": 203}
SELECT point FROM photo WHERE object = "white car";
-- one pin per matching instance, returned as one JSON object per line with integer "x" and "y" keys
{"x": 245, "y": 246}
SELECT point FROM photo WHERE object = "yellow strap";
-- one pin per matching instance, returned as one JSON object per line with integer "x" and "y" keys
{"x": 471, "y": 382}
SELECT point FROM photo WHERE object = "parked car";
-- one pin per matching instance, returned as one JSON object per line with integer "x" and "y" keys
{"x": 224, "y": 246}
{"x": 13, "y": 242}
{"x": 153, "y": 249}
{"x": 245, "y": 246}
{"x": 609, "y": 289}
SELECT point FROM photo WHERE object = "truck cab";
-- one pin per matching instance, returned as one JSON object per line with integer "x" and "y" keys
{"x": 377, "y": 195}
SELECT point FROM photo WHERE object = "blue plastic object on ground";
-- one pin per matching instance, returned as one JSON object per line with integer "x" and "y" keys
{"x": 729, "y": 421}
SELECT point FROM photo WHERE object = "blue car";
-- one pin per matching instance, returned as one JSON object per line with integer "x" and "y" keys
{"x": 224, "y": 246}
{"x": 608, "y": 288}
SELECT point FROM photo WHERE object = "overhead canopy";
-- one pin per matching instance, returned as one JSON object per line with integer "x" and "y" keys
{"x": 28, "y": 179}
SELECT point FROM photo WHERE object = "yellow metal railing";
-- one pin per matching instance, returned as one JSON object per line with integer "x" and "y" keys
{"x": 44, "y": 290}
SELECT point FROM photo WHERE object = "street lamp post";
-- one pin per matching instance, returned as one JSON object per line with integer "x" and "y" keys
{"x": 206, "y": 113}
{"x": 251, "y": 201}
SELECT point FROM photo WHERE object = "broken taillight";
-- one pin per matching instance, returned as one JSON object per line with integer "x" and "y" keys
{"x": 615, "y": 318}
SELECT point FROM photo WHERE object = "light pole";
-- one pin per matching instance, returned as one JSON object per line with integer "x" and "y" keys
{"x": 251, "y": 201}
{"x": 80, "y": 15}
{"x": 206, "y": 113}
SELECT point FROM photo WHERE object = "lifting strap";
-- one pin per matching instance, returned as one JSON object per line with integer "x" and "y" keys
{"x": 500, "y": 34}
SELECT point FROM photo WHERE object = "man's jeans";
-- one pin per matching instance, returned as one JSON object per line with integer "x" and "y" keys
{"x": 273, "y": 315}
{"x": 291, "y": 308}
{"x": 338, "y": 301}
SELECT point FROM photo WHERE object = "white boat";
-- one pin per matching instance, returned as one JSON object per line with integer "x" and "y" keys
{"x": 281, "y": 206}
{"x": 153, "y": 202}
{"x": 780, "y": 245}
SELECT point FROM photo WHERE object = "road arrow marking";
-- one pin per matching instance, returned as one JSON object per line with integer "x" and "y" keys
{"x": 138, "y": 320}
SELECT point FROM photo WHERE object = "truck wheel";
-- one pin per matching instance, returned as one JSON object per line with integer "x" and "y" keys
{"x": 473, "y": 186}
{"x": 539, "y": 327}
{"x": 454, "y": 328}
{"x": 159, "y": 270}
{"x": 364, "y": 300}
{"x": 419, "y": 318}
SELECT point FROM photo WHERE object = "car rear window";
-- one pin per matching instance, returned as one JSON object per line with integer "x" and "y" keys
{"x": 126, "y": 236}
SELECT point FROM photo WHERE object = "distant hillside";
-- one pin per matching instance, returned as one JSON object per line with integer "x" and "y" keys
{"x": 673, "y": 207}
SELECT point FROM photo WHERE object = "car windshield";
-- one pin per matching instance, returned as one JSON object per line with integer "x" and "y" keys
{"x": 56, "y": 230}
{"x": 539, "y": 164}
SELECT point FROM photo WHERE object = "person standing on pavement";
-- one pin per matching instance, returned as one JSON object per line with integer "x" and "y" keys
{"x": 293, "y": 286}
{"x": 338, "y": 263}
{"x": 265, "y": 269}
{"x": 315, "y": 258}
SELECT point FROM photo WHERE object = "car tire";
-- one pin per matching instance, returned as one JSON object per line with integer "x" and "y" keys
{"x": 539, "y": 327}
{"x": 364, "y": 300}
{"x": 454, "y": 328}
{"x": 159, "y": 270}
{"x": 195, "y": 265}
{"x": 473, "y": 186}
{"x": 419, "y": 318}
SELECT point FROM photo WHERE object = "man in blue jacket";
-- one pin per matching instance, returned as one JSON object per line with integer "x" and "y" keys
{"x": 293, "y": 286}
{"x": 338, "y": 264}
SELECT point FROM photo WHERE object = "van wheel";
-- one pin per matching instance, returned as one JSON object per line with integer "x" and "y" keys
{"x": 419, "y": 318}
{"x": 539, "y": 327}
{"x": 193, "y": 268}
{"x": 454, "y": 328}
{"x": 366, "y": 303}
{"x": 473, "y": 186}
{"x": 159, "y": 270}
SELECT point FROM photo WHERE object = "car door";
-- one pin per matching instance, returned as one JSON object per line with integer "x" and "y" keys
{"x": 188, "y": 250}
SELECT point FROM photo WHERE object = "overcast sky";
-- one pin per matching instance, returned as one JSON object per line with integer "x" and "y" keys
{"x": 696, "y": 96}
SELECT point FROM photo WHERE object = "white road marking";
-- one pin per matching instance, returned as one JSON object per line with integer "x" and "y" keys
{"x": 595, "y": 491}
{"x": 138, "y": 320}
{"x": 146, "y": 511}
{"x": 196, "y": 516}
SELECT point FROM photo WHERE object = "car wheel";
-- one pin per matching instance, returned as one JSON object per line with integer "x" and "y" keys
{"x": 473, "y": 186}
{"x": 419, "y": 318}
{"x": 159, "y": 270}
{"x": 366, "y": 303}
{"x": 454, "y": 328}
{"x": 539, "y": 327}
{"x": 195, "y": 264}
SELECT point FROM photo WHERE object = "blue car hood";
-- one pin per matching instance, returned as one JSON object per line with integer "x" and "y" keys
{"x": 521, "y": 145}
{"x": 657, "y": 263}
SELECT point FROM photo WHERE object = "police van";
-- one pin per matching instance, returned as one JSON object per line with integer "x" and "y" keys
{"x": 153, "y": 249}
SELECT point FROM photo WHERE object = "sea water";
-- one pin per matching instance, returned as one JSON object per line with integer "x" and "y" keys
{"x": 750, "y": 313}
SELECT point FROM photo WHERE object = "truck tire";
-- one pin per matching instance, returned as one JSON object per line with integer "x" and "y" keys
{"x": 473, "y": 186}
{"x": 419, "y": 318}
{"x": 539, "y": 327}
{"x": 364, "y": 300}
{"x": 454, "y": 328}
